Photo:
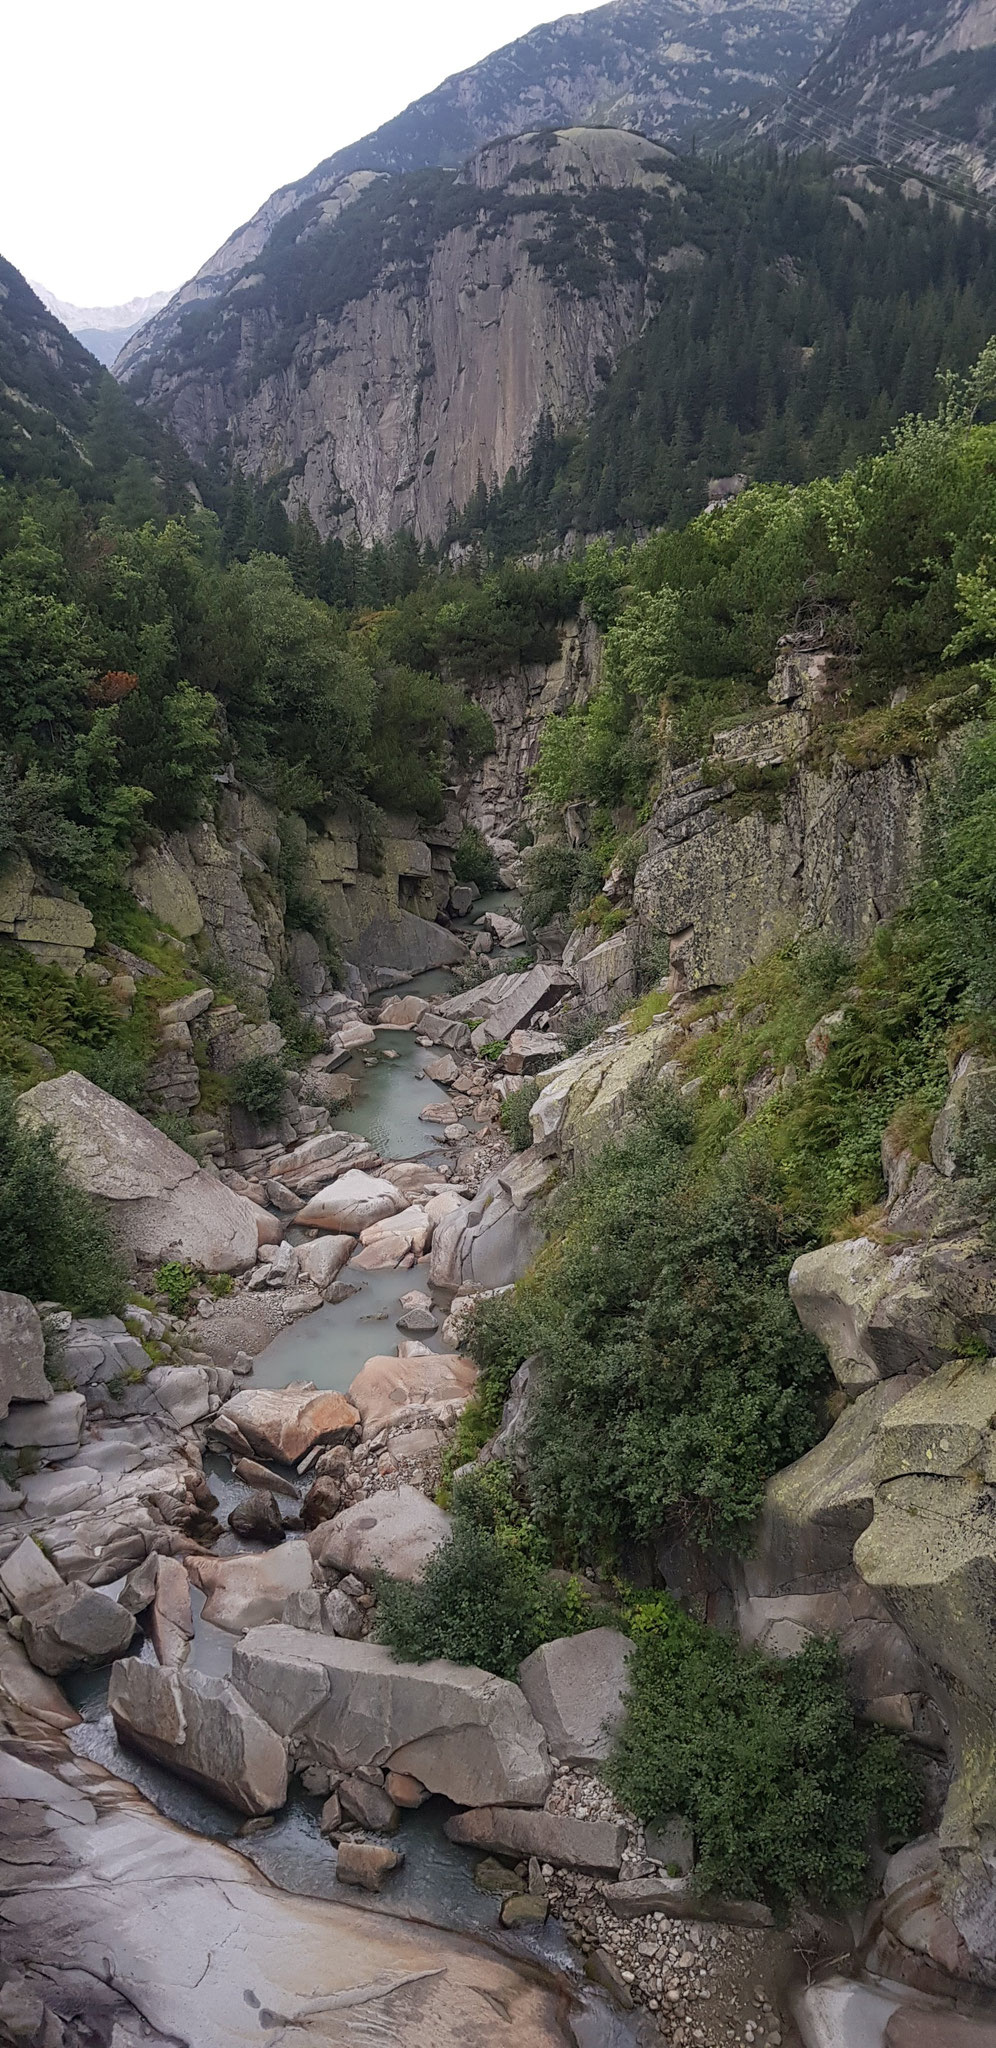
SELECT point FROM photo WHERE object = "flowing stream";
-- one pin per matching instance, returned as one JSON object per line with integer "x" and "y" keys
{"x": 435, "y": 1883}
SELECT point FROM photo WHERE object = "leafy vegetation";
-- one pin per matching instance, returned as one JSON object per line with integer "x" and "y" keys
{"x": 513, "y": 1115}
{"x": 763, "y": 1760}
{"x": 258, "y": 1085}
{"x": 54, "y": 1245}
{"x": 177, "y": 1280}
{"x": 473, "y": 861}
{"x": 486, "y": 1596}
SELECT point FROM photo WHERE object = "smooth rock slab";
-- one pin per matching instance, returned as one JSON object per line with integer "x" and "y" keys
{"x": 593, "y": 1845}
{"x": 208, "y": 1945}
{"x": 74, "y": 1625}
{"x": 54, "y": 1425}
{"x": 22, "y": 1352}
{"x": 202, "y": 1728}
{"x": 457, "y": 1730}
{"x": 27, "y": 1573}
{"x": 158, "y": 1202}
{"x": 395, "y": 1532}
{"x": 284, "y": 1423}
{"x": 575, "y": 1687}
{"x": 244, "y": 1592}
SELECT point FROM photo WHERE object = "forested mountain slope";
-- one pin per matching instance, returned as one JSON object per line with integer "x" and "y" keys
{"x": 913, "y": 85}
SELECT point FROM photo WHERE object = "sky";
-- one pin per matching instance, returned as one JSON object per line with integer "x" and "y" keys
{"x": 136, "y": 136}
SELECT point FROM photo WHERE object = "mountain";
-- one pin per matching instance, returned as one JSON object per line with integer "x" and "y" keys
{"x": 668, "y": 68}
{"x": 573, "y": 333}
{"x": 911, "y": 82}
{"x": 102, "y": 329}
{"x": 61, "y": 413}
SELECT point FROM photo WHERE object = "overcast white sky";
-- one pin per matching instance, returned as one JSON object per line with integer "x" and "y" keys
{"x": 136, "y": 136}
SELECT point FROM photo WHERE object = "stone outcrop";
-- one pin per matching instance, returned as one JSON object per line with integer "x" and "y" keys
{"x": 203, "y": 1729}
{"x": 246, "y": 1592}
{"x": 54, "y": 928}
{"x": 726, "y": 883}
{"x": 457, "y": 1730}
{"x": 518, "y": 705}
{"x": 497, "y": 1237}
{"x": 158, "y": 1202}
{"x": 22, "y": 1352}
{"x": 586, "y": 1100}
{"x": 593, "y": 1845}
{"x": 71, "y": 1626}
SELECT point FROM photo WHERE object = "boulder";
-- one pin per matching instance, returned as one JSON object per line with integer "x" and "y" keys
{"x": 493, "y": 1242}
{"x": 26, "y": 1573}
{"x": 528, "y": 1051}
{"x": 412, "y": 1225}
{"x": 183, "y": 1391}
{"x": 252, "y": 1474}
{"x": 350, "y": 1204}
{"x": 257, "y": 1519}
{"x": 348, "y": 1705}
{"x": 160, "y": 1204}
{"x": 367, "y": 1864}
{"x": 593, "y": 1845}
{"x": 22, "y": 1352}
{"x": 170, "y": 1618}
{"x": 387, "y": 1388}
{"x": 879, "y": 1310}
{"x": 284, "y": 1423}
{"x": 961, "y": 1132}
{"x": 243, "y": 1592}
{"x": 444, "y": 1031}
{"x": 202, "y": 1728}
{"x": 520, "y": 996}
{"x": 402, "y": 1013}
{"x": 394, "y": 1532}
{"x": 322, "y": 1261}
{"x": 322, "y": 1500}
{"x": 575, "y": 1687}
{"x": 69, "y": 1626}
{"x": 369, "y": 1804}
{"x": 444, "y": 1072}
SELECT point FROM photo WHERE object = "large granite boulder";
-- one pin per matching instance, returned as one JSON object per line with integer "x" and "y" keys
{"x": 575, "y": 1687}
{"x": 243, "y": 1592}
{"x": 385, "y": 1389}
{"x": 588, "y": 1100}
{"x": 879, "y": 1309}
{"x": 158, "y": 1202}
{"x": 26, "y": 1573}
{"x": 284, "y": 1423}
{"x": 506, "y": 1002}
{"x": 497, "y": 1238}
{"x": 22, "y": 1352}
{"x": 71, "y": 1626}
{"x": 348, "y": 1705}
{"x": 202, "y": 1728}
{"x": 394, "y": 1531}
{"x": 350, "y": 1204}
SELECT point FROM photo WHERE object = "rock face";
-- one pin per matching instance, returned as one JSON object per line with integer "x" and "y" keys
{"x": 347, "y": 1705}
{"x": 22, "y": 1352}
{"x": 284, "y": 1423}
{"x": 727, "y": 888}
{"x": 159, "y": 1203}
{"x": 575, "y": 1687}
{"x": 202, "y": 1728}
{"x": 525, "y": 344}
{"x": 395, "y": 1532}
{"x": 501, "y": 1231}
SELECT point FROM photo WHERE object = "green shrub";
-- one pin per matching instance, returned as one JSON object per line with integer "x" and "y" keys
{"x": 486, "y": 1596}
{"x": 177, "y": 1280}
{"x": 473, "y": 861}
{"x": 763, "y": 1760}
{"x": 258, "y": 1085}
{"x": 513, "y": 1116}
{"x": 179, "y": 1128}
{"x": 54, "y": 1244}
{"x": 302, "y": 1036}
{"x": 676, "y": 1376}
{"x": 116, "y": 1069}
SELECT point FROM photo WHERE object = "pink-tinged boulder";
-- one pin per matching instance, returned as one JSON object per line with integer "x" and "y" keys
{"x": 350, "y": 1204}
{"x": 387, "y": 1388}
{"x": 202, "y": 1728}
{"x": 284, "y": 1423}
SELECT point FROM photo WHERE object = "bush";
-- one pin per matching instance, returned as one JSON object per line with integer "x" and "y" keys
{"x": 676, "y": 1376}
{"x": 54, "y": 1244}
{"x": 118, "y": 1070}
{"x": 486, "y": 1596}
{"x": 473, "y": 861}
{"x": 177, "y": 1280}
{"x": 763, "y": 1760}
{"x": 513, "y": 1116}
{"x": 258, "y": 1085}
